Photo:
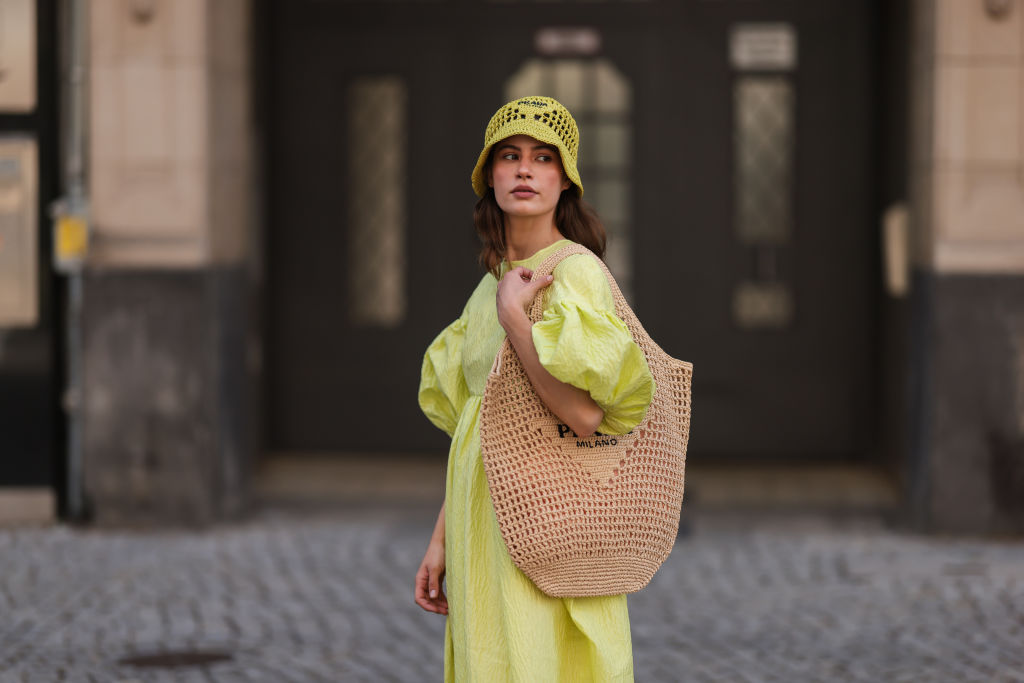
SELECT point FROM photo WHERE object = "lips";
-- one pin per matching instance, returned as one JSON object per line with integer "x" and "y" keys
{"x": 523, "y": 191}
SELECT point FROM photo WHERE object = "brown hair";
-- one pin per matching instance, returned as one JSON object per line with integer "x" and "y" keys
{"x": 574, "y": 218}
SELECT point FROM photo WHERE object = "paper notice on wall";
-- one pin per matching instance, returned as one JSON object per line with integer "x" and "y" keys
{"x": 763, "y": 47}
{"x": 19, "y": 233}
{"x": 17, "y": 55}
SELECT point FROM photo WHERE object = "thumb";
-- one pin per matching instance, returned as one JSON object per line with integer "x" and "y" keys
{"x": 540, "y": 283}
{"x": 433, "y": 585}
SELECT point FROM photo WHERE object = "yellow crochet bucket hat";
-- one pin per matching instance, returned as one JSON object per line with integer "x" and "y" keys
{"x": 542, "y": 118}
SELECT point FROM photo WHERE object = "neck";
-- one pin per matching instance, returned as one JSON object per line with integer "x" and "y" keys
{"x": 525, "y": 236}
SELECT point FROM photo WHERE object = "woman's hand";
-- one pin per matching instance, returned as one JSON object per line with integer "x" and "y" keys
{"x": 515, "y": 293}
{"x": 428, "y": 592}
{"x": 573, "y": 405}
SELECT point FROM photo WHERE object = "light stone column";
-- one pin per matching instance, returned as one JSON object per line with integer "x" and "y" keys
{"x": 169, "y": 344}
{"x": 967, "y": 205}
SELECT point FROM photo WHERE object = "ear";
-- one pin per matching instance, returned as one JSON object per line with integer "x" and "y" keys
{"x": 490, "y": 176}
{"x": 566, "y": 183}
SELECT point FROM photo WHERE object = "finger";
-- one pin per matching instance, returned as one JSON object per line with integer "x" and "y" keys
{"x": 429, "y": 605}
{"x": 422, "y": 600}
{"x": 434, "y": 584}
{"x": 440, "y": 603}
{"x": 420, "y": 589}
{"x": 423, "y": 584}
{"x": 541, "y": 283}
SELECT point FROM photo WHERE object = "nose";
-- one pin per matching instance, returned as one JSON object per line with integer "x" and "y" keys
{"x": 524, "y": 168}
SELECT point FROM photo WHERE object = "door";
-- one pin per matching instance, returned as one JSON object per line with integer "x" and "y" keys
{"x": 370, "y": 247}
{"x": 760, "y": 269}
{"x": 735, "y": 191}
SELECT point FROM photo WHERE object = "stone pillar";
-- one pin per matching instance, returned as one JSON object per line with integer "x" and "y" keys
{"x": 169, "y": 346}
{"x": 967, "y": 206}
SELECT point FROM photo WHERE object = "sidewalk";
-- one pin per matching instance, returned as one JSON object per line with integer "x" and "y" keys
{"x": 311, "y": 589}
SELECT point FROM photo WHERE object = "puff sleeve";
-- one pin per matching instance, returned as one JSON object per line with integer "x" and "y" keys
{"x": 582, "y": 342}
{"x": 443, "y": 391}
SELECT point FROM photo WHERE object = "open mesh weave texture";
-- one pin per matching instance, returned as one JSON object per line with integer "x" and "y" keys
{"x": 592, "y": 520}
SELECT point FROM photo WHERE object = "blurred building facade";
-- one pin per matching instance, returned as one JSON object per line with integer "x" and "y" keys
{"x": 820, "y": 204}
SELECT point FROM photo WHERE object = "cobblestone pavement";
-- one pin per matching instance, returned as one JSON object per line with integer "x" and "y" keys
{"x": 325, "y": 595}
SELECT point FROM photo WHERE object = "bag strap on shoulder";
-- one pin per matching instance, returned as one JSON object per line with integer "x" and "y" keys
{"x": 548, "y": 266}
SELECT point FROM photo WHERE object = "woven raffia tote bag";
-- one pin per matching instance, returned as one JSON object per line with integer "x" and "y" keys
{"x": 585, "y": 516}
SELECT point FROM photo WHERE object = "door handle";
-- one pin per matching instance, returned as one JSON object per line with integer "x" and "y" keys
{"x": 896, "y": 249}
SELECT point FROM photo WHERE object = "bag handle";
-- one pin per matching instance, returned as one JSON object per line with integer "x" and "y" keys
{"x": 536, "y": 310}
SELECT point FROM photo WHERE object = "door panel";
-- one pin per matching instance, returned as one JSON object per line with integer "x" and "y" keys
{"x": 801, "y": 389}
{"x": 334, "y": 382}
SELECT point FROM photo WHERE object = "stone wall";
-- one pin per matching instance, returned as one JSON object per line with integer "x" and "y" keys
{"x": 170, "y": 348}
{"x": 966, "y": 471}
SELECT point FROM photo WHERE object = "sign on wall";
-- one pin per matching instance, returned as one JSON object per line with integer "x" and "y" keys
{"x": 19, "y": 234}
{"x": 17, "y": 55}
{"x": 763, "y": 47}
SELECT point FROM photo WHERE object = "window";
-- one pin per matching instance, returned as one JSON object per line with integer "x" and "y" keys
{"x": 376, "y": 201}
{"x": 600, "y": 99}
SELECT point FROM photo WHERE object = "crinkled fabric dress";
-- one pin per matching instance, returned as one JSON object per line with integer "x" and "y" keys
{"x": 500, "y": 626}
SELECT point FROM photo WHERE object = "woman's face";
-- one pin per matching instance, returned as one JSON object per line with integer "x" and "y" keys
{"x": 527, "y": 176}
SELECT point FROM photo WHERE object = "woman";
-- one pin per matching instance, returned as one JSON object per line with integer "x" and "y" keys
{"x": 582, "y": 363}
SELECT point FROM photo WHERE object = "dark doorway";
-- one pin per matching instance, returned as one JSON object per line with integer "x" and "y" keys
{"x": 728, "y": 151}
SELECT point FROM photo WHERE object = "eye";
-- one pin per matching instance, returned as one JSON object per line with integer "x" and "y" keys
{"x": 510, "y": 156}
{"x": 544, "y": 157}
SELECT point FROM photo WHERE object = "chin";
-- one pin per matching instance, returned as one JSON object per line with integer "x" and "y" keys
{"x": 520, "y": 211}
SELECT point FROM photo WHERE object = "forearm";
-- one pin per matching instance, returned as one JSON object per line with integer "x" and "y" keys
{"x": 571, "y": 404}
{"x": 438, "y": 534}
{"x": 428, "y": 591}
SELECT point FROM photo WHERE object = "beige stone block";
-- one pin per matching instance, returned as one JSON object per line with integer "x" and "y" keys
{"x": 965, "y": 29}
{"x": 979, "y": 205}
{"x": 142, "y": 40}
{"x": 105, "y": 113}
{"x": 229, "y": 22}
{"x": 982, "y": 258}
{"x": 171, "y": 133}
{"x": 110, "y": 184}
{"x": 231, "y": 119}
{"x": 153, "y": 201}
{"x": 978, "y": 113}
{"x": 230, "y": 220}
{"x": 145, "y": 118}
{"x": 187, "y": 30}
{"x": 30, "y": 505}
{"x": 104, "y": 38}
{"x": 147, "y": 253}
{"x": 189, "y": 102}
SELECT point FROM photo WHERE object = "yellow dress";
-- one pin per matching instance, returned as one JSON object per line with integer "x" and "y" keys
{"x": 500, "y": 626}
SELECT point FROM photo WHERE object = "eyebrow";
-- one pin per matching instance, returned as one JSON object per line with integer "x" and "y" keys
{"x": 535, "y": 147}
